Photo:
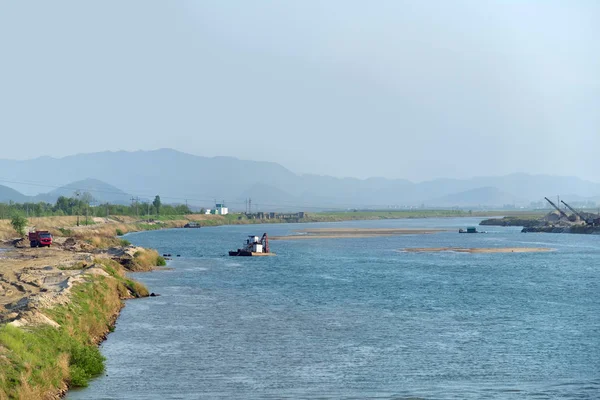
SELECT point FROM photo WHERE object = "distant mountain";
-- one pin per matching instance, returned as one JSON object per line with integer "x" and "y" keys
{"x": 485, "y": 197}
{"x": 9, "y": 194}
{"x": 102, "y": 192}
{"x": 179, "y": 178}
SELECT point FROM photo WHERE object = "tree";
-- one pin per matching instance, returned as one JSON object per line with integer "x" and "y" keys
{"x": 19, "y": 223}
{"x": 156, "y": 203}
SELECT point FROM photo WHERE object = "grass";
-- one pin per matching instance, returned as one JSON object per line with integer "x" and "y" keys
{"x": 146, "y": 260}
{"x": 36, "y": 363}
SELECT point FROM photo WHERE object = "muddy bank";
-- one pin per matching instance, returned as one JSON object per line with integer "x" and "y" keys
{"x": 337, "y": 233}
{"x": 477, "y": 250}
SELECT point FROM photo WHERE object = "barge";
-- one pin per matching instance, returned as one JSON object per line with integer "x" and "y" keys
{"x": 254, "y": 247}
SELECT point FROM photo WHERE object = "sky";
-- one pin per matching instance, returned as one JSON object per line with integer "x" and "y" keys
{"x": 391, "y": 88}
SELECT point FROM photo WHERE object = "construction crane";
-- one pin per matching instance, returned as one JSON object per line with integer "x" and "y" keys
{"x": 562, "y": 213}
{"x": 581, "y": 217}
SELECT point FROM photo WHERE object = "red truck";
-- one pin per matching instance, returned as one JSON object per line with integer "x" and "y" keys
{"x": 40, "y": 238}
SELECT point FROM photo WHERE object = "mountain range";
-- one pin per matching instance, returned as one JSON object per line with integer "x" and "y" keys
{"x": 180, "y": 177}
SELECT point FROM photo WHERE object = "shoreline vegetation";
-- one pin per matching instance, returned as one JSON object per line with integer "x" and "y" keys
{"x": 57, "y": 304}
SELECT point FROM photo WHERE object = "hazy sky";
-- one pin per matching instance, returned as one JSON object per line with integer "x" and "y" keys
{"x": 401, "y": 89}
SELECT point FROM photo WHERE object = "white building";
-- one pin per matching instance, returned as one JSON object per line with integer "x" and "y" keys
{"x": 220, "y": 209}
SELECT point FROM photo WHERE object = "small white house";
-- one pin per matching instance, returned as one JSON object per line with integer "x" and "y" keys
{"x": 220, "y": 209}
{"x": 208, "y": 211}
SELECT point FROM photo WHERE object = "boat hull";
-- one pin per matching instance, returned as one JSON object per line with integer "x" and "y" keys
{"x": 245, "y": 253}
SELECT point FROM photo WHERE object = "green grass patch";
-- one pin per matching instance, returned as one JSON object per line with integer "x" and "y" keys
{"x": 34, "y": 361}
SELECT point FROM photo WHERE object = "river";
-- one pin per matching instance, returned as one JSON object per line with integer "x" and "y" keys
{"x": 356, "y": 318}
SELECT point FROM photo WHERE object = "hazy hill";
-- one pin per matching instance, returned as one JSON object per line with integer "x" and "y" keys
{"x": 102, "y": 192}
{"x": 179, "y": 177}
{"x": 485, "y": 197}
{"x": 8, "y": 194}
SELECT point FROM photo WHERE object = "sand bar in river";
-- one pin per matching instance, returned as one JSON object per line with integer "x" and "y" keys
{"x": 336, "y": 233}
{"x": 478, "y": 250}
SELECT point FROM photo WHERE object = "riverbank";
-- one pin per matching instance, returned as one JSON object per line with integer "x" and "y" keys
{"x": 533, "y": 224}
{"x": 56, "y": 305}
{"x": 108, "y": 227}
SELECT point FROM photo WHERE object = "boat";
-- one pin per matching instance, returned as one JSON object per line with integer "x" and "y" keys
{"x": 254, "y": 247}
{"x": 193, "y": 225}
{"x": 470, "y": 229}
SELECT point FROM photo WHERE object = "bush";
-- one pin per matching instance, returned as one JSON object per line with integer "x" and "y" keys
{"x": 119, "y": 232}
{"x": 85, "y": 363}
{"x": 19, "y": 223}
{"x": 124, "y": 242}
{"x": 160, "y": 261}
{"x": 65, "y": 231}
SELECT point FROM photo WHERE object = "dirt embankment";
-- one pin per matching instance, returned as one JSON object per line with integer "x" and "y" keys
{"x": 32, "y": 279}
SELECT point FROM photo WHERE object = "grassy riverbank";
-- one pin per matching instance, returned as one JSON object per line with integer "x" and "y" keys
{"x": 47, "y": 350}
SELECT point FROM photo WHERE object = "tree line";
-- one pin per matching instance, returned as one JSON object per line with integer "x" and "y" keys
{"x": 82, "y": 205}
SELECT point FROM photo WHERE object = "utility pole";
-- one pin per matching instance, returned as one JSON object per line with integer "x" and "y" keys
{"x": 135, "y": 200}
{"x": 77, "y": 196}
{"x": 250, "y": 206}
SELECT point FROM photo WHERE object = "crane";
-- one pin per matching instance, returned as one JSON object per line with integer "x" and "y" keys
{"x": 581, "y": 217}
{"x": 562, "y": 213}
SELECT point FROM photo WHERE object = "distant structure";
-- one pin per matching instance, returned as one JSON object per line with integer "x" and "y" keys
{"x": 274, "y": 215}
{"x": 220, "y": 209}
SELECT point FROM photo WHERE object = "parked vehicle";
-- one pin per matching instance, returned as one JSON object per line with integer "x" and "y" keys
{"x": 40, "y": 238}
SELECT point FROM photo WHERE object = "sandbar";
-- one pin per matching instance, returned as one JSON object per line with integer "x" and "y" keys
{"x": 477, "y": 250}
{"x": 337, "y": 233}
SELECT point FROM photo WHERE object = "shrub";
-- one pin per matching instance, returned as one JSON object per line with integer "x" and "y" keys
{"x": 119, "y": 232}
{"x": 124, "y": 242}
{"x": 85, "y": 363}
{"x": 19, "y": 222}
{"x": 65, "y": 231}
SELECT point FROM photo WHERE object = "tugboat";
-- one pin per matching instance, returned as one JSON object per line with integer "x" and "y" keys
{"x": 254, "y": 247}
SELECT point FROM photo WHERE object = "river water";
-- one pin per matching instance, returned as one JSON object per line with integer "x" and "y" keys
{"x": 355, "y": 318}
